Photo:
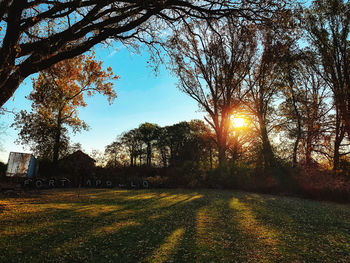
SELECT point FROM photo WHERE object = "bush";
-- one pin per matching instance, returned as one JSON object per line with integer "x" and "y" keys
{"x": 344, "y": 166}
{"x": 3, "y": 168}
{"x": 230, "y": 177}
{"x": 324, "y": 185}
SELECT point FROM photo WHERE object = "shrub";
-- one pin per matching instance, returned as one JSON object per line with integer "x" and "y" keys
{"x": 3, "y": 168}
{"x": 324, "y": 185}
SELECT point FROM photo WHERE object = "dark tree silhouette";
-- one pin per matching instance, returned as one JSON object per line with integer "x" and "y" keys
{"x": 37, "y": 34}
{"x": 328, "y": 25}
{"x": 211, "y": 63}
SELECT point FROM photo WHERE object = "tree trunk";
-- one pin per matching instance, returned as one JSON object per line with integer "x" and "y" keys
{"x": 308, "y": 149}
{"x": 149, "y": 154}
{"x": 235, "y": 149}
{"x": 131, "y": 159}
{"x": 164, "y": 156}
{"x": 342, "y": 101}
{"x": 56, "y": 146}
{"x": 10, "y": 77}
{"x": 171, "y": 158}
{"x": 221, "y": 149}
{"x": 211, "y": 158}
{"x": 295, "y": 150}
{"x": 268, "y": 155}
{"x": 297, "y": 140}
{"x": 336, "y": 154}
{"x": 339, "y": 136}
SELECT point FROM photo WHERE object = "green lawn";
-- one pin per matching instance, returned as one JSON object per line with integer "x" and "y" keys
{"x": 171, "y": 226}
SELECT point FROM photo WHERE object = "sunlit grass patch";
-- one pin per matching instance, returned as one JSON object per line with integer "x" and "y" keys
{"x": 168, "y": 248}
{"x": 97, "y": 209}
{"x": 109, "y": 225}
{"x": 264, "y": 245}
{"x": 249, "y": 225}
{"x": 114, "y": 227}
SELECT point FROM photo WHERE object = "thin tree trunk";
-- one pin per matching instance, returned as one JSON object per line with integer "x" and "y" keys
{"x": 56, "y": 146}
{"x": 149, "y": 153}
{"x": 131, "y": 159}
{"x": 336, "y": 154}
{"x": 211, "y": 158}
{"x": 295, "y": 149}
{"x": 308, "y": 149}
{"x": 339, "y": 136}
{"x": 268, "y": 155}
{"x": 299, "y": 132}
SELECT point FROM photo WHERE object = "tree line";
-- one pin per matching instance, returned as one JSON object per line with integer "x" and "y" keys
{"x": 169, "y": 146}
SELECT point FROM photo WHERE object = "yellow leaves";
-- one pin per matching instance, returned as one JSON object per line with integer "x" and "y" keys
{"x": 67, "y": 82}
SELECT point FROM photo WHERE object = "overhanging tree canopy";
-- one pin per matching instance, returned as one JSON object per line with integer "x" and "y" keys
{"x": 35, "y": 34}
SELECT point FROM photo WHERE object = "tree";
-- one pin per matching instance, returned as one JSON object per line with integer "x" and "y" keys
{"x": 176, "y": 139}
{"x": 75, "y": 147}
{"x": 3, "y": 168}
{"x": 291, "y": 79}
{"x": 162, "y": 146}
{"x": 328, "y": 25}
{"x": 149, "y": 134}
{"x": 173, "y": 145}
{"x": 338, "y": 138}
{"x": 315, "y": 113}
{"x": 115, "y": 153}
{"x": 58, "y": 93}
{"x": 38, "y": 34}
{"x": 211, "y": 63}
{"x": 132, "y": 141}
{"x": 263, "y": 85}
{"x": 202, "y": 142}
{"x": 305, "y": 109}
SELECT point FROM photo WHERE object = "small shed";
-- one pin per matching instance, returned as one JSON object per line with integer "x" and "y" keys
{"x": 79, "y": 160}
{"x": 77, "y": 166}
{"x": 21, "y": 165}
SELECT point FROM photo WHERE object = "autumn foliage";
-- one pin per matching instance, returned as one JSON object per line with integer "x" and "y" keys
{"x": 58, "y": 93}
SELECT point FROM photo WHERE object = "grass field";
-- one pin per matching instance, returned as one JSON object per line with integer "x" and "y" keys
{"x": 171, "y": 226}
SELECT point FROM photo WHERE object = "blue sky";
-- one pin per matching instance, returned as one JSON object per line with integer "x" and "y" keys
{"x": 142, "y": 97}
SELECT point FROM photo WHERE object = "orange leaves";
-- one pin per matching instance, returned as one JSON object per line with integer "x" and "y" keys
{"x": 60, "y": 90}
{"x": 18, "y": 50}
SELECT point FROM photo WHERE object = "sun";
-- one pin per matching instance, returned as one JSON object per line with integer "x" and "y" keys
{"x": 238, "y": 122}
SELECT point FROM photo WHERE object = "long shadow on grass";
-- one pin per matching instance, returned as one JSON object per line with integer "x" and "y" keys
{"x": 144, "y": 227}
{"x": 197, "y": 228}
{"x": 150, "y": 235}
{"x": 73, "y": 235}
{"x": 308, "y": 230}
{"x": 212, "y": 235}
{"x": 179, "y": 226}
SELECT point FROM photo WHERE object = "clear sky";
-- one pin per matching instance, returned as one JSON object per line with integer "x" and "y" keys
{"x": 142, "y": 97}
